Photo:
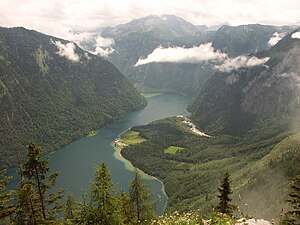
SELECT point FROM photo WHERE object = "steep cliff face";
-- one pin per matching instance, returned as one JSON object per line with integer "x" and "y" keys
{"x": 53, "y": 92}
{"x": 233, "y": 102}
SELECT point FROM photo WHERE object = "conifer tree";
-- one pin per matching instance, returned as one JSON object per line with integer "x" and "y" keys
{"x": 293, "y": 216}
{"x": 225, "y": 191}
{"x": 6, "y": 207}
{"x": 140, "y": 199}
{"x": 70, "y": 207}
{"x": 27, "y": 210}
{"x": 39, "y": 204}
{"x": 102, "y": 207}
{"x": 126, "y": 208}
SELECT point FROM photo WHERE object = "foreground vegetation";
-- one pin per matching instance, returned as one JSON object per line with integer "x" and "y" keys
{"x": 261, "y": 165}
{"x": 35, "y": 202}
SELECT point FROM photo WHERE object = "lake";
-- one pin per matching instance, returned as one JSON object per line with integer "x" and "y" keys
{"x": 77, "y": 161}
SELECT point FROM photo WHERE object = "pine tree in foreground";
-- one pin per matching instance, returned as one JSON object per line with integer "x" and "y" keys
{"x": 126, "y": 208}
{"x": 225, "y": 191}
{"x": 293, "y": 216}
{"x": 6, "y": 207}
{"x": 70, "y": 208}
{"x": 140, "y": 199}
{"x": 100, "y": 205}
{"x": 36, "y": 204}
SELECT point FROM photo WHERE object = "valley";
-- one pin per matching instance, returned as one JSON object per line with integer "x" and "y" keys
{"x": 249, "y": 130}
{"x": 150, "y": 119}
{"x": 89, "y": 152}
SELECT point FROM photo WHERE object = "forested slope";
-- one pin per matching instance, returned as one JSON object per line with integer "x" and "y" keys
{"x": 53, "y": 92}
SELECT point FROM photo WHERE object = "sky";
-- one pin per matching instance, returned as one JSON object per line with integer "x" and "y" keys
{"x": 59, "y": 17}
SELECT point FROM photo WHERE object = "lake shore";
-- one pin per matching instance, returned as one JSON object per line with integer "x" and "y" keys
{"x": 128, "y": 164}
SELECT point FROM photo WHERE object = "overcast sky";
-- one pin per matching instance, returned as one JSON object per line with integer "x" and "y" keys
{"x": 58, "y": 17}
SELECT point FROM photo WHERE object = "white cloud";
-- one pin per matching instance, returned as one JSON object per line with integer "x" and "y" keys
{"x": 104, "y": 46}
{"x": 276, "y": 37}
{"x": 204, "y": 52}
{"x": 296, "y": 35}
{"x": 58, "y": 17}
{"x": 78, "y": 37}
{"x": 239, "y": 62}
{"x": 104, "y": 42}
{"x": 67, "y": 50}
{"x": 104, "y": 52}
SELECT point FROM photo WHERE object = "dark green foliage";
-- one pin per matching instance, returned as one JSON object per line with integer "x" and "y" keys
{"x": 70, "y": 207}
{"x": 52, "y": 100}
{"x": 27, "y": 205}
{"x": 293, "y": 215}
{"x": 6, "y": 206}
{"x": 225, "y": 191}
{"x": 102, "y": 207}
{"x": 36, "y": 202}
{"x": 192, "y": 175}
{"x": 140, "y": 199}
{"x": 127, "y": 211}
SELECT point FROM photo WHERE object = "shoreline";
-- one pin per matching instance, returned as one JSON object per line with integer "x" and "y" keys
{"x": 129, "y": 166}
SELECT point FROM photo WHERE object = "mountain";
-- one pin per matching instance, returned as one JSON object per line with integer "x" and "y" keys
{"x": 245, "y": 39}
{"x": 237, "y": 101}
{"x": 139, "y": 38}
{"x": 251, "y": 115}
{"x": 163, "y": 27}
{"x": 53, "y": 92}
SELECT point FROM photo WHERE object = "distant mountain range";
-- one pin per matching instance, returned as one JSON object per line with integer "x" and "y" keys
{"x": 139, "y": 38}
{"x": 53, "y": 92}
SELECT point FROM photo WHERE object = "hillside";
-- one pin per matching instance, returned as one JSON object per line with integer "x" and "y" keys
{"x": 236, "y": 101}
{"x": 260, "y": 164}
{"x": 53, "y": 92}
{"x": 252, "y": 117}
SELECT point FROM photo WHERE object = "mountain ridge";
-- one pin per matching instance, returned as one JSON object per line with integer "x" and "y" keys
{"x": 54, "y": 92}
{"x": 139, "y": 38}
{"x": 254, "y": 94}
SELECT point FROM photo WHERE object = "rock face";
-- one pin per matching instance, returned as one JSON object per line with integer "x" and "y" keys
{"x": 234, "y": 102}
{"x": 53, "y": 92}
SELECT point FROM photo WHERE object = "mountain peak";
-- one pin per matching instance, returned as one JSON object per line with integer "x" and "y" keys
{"x": 153, "y": 23}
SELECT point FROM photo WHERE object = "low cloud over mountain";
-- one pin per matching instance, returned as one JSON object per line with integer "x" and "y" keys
{"x": 204, "y": 52}
{"x": 275, "y": 38}
{"x": 198, "y": 54}
{"x": 67, "y": 50}
{"x": 241, "y": 61}
{"x": 296, "y": 35}
{"x": 104, "y": 46}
